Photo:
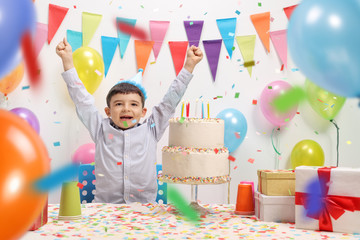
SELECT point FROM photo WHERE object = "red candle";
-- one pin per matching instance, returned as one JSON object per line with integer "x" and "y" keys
{"x": 187, "y": 109}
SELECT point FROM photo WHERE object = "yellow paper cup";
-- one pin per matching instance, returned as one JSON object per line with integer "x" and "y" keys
{"x": 70, "y": 206}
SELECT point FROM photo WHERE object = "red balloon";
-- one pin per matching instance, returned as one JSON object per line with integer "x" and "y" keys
{"x": 24, "y": 159}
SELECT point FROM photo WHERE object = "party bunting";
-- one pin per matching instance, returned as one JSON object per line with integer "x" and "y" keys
{"x": 227, "y": 28}
{"x": 90, "y": 23}
{"x": 142, "y": 52}
{"x": 261, "y": 23}
{"x": 193, "y": 31}
{"x": 109, "y": 45}
{"x": 56, "y": 16}
{"x": 280, "y": 43}
{"x": 158, "y": 31}
{"x": 178, "y": 52}
{"x": 247, "y": 45}
{"x": 40, "y": 37}
{"x": 212, "y": 49}
{"x": 75, "y": 39}
{"x": 124, "y": 38}
{"x": 289, "y": 10}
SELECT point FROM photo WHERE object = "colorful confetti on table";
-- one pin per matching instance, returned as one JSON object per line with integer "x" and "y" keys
{"x": 155, "y": 221}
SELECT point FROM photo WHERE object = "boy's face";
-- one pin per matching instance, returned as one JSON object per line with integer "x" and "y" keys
{"x": 125, "y": 110}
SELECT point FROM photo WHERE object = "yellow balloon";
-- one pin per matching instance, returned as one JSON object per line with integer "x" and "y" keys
{"x": 308, "y": 153}
{"x": 90, "y": 67}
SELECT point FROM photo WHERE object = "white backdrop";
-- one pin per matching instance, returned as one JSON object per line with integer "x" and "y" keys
{"x": 59, "y": 123}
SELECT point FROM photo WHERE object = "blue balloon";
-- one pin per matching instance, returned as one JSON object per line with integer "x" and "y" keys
{"x": 16, "y": 17}
{"x": 323, "y": 39}
{"x": 235, "y": 128}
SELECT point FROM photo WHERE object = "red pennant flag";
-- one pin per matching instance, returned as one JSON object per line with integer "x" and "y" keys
{"x": 142, "y": 52}
{"x": 288, "y": 11}
{"x": 178, "y": 52}
{"x": 56, "y": 16}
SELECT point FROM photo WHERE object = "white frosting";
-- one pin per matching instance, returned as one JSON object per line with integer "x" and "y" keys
{"x": 190, "y": 164}
{"x": 196, "y": 154}
{"x": 197, "y": 133}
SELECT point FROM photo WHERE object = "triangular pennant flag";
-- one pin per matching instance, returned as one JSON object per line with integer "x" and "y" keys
{"x": 261, "y": 23}
{"x": 212, "y": 50}
{"x": 193, "y": 31}
{"x": 288, "y": 11}
{"x": 227, "y": 27}
{"x": 247, "y": 46}
{"x": 178, "y": 52}
{"x": 40, "y": 37}
{"x": 158, "y": 31}
{"x": 124, "y": 38}
{"x": 90, "y": 23}
{"x": 142, "y": 52}
{"x": 280, "y": 43}
{"x": 75, "y": 39}
{"x": 109, "y": 45}
{"x": 56, "y": 16}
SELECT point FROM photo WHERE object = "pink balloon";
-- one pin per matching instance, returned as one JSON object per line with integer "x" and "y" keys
{"x": 271, "y": 91}
{"x": 85, "y": 154}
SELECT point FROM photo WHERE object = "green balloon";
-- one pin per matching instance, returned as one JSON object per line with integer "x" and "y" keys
{"x": 325, "y": 103}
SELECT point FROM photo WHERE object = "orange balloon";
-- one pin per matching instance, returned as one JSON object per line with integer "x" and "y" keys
{"x": 23, "y": 159}
{"x": 12, "y": 80}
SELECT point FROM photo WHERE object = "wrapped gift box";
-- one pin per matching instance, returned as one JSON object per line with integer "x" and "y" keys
{"x": 338, "y": 193}
{"x": 276, "y": 182}
{"x": 275, "y": 208}
{"x": 41, "y": 219}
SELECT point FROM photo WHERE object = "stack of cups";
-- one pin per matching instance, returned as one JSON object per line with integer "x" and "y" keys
{"x": 70, "y": 206}
{"x": 245, "y": 200}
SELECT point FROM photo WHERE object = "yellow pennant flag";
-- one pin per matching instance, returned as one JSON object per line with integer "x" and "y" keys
{"x": 90, "y": 23}
{"x": 247, "y": 46}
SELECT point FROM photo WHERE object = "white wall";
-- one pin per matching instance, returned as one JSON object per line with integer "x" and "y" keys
{"x": 51, "y": 103}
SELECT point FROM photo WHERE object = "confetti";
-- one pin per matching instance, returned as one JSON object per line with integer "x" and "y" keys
{"x": 134, "y": 121}
{"x": 249, "y": 64}
{"x": 237, "y": 135}
{"x": 181, "y": 205}
{"x": 125, "y": 124}
{"x": 348, "y": 142}
{"x": 152, "y": 125}
{"x": 254, "y": 102}
{"x": 80, "y": 185}
{"x": 25, "y": 87}
{"x": 110, "y": 136}
{"x": 181, "y": 120}
{"x": 289, "y": 99}
{"x": 259, "y": 4}
{"x": 56, "y": 144}
{"x": 237, "y": 94}
{"x": 29, "y": 55}
{"x": 119, "y": 163}
{"x": 251, "y": 160}
{"x": 57, "y": 177}
{"x": 231, "y": 158}
{"x": 131, "y": 30}
{"x": 235, "y": 167}
{"x": 237, "y": 12}
{"x": 98, "y": 72}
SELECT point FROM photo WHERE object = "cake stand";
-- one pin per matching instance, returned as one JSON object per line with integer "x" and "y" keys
{"x": 194, "y": 201}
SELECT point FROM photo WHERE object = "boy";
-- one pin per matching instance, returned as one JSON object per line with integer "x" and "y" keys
{"x": 125, "y": 157}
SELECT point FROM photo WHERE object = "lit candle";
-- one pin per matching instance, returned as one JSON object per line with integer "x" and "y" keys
{"x": 202, "y": 108}
{"x": 182, "y": 108}
{"x": 196, "y": 107}
{"x": 187, "y": 109}
{"x": 208, "y": 107}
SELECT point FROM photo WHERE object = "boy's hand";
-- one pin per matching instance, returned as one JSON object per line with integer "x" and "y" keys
{"x": 64, "y": 50}
{"x": 193, "y": 57}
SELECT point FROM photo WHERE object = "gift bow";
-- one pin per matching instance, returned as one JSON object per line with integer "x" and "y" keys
{"x": 332, "y": 205}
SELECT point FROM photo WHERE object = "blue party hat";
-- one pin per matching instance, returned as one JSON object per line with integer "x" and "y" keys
{"x": 136, "y": 81}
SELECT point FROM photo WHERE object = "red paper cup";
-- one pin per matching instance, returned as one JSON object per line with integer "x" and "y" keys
{"x": 245, "y": 200}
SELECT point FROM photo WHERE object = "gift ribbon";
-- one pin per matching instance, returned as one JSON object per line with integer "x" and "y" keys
{"x": 332, "y": 205}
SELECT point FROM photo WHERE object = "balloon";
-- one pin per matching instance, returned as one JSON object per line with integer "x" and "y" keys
{"x": 12, "y": 80}
{"x": 24, "y": 159}
{"x": 308, "y": 153}
{"x": 16, "y": 17}
{"x": 90, "y": 67}
{"x": 85, "y": 154}
{"x": 271, "y": 91}
{"x": 235, "y": 128}
{"x": 324, "y": 43}
{"x": 325, "y": 103}
{"x": 29, "y": 116}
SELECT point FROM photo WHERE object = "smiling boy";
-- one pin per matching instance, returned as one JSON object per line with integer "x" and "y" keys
{"x": 125, "y": 157}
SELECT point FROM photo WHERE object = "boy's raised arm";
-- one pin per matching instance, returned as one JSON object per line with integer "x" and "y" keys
{"x": 64, "y": 50}
{"x": 193, "y": 57}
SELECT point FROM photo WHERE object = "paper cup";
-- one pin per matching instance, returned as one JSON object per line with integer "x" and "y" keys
{"x": 70, "y": 206}
{"x": 245, "y": 200}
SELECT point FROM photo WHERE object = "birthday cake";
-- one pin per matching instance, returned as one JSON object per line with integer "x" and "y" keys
{"x": 196, "y": 152}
